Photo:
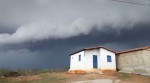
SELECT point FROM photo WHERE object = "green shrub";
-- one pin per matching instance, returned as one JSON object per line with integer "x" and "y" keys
{"x": 9, "y": 73}
{"x": 67, "y": 68}
{"x": 4, "y": 72}
{"x": 34, "y": 71}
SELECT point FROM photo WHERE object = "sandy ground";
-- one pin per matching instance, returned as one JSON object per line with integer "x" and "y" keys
{"x": 96, "y": 81}
{"x": 108, "y": 77}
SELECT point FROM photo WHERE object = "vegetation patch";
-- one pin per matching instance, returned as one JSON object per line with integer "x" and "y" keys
{"x": 51, "y": 76}
{"x": 9, "y": 73}
{"x": 123, "y": 75}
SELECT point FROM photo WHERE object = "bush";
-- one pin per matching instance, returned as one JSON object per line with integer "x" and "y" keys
{"x": 34, "y": 71}
{"x": 8, "y": 73}
{"x": 24, "y": 72}
{"x": 4, "y": 71}
{"x": 67, "y": 68}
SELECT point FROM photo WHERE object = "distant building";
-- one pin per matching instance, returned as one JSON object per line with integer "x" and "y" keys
{"x": 100, "y": 58}
{"x": 93, "y": 58}
{"x": 134, "y": 61}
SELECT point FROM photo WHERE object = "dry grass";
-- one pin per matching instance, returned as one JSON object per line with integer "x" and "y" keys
{"x": 133, "y": 78}
{"x": 67, "y": 78}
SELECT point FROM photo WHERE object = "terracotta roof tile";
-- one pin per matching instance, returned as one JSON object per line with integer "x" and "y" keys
{"x": 135, "y": 49}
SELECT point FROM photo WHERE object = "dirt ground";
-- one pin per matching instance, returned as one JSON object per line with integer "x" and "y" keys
{"x": 68, "y": 78}
{"x": 115, "y": 76}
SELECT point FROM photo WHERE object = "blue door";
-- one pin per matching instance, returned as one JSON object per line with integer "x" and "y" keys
{"x": 94, "y": 61}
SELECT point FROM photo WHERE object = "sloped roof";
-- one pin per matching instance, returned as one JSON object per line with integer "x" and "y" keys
{"x": 92, "y": 48}
{"x": 135, "y": 49}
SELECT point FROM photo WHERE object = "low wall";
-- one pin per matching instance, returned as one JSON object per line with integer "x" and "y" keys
{"x": 134, "y": 62}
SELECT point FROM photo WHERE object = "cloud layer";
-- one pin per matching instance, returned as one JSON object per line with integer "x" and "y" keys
{"x": 34, "y": 33}
{"x": 53, "y": 53}
{"x": 37, "y": 20}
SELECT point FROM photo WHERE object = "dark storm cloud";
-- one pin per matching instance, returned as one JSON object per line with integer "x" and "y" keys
{"x": 42, "y": 33}
{"x": 6, "y": 29}
{"x": 55, "y": 53}
{"x": 137, "y": 36}
{"x": 55, "y": 19}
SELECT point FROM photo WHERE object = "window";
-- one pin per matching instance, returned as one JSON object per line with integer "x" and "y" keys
{"x": 79, "y": 57}
{"x": 108, "y": 58}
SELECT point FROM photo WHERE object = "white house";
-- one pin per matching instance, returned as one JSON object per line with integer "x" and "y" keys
{"x": 93, "y": 58}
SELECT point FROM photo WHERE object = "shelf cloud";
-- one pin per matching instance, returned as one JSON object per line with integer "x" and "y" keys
{"x": 34, "y": 33}
{"x": 37, "y": 20}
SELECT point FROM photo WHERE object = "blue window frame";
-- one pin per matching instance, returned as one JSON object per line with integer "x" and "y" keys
{"x": 109, "y": 58}
{"x": 79, "y": 57}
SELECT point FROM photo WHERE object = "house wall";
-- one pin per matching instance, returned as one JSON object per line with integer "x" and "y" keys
{"x": 86, "y": 62}
{"x": 88, "y": 59}
{"x": 134, "y": 62}
{"x": 75, "y": 64}
{"x": 104, "y": 65}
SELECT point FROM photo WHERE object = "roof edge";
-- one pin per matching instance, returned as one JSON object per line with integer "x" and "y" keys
{"x": 98, "y": 47}
{"x": 131, "y": 50}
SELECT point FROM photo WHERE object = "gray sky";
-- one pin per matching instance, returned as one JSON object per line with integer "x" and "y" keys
{"x": 42, "y": 33}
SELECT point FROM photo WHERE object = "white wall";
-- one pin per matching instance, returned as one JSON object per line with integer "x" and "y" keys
{"x": 88, "y": 62}
{"x": 104, "y": 65}
{"x": 75, "y": 64}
